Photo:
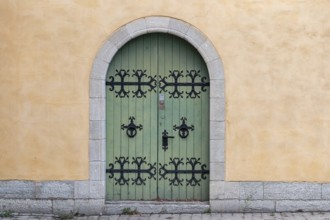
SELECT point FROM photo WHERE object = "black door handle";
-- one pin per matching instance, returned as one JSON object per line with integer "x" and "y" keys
{"x": 165, "y": 138}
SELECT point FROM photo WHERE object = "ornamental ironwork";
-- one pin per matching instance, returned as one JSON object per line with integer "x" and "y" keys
{"x": 143, "y": 80}
{"x": 165, "y": 83}
{"x": 183, "y": 128}
{"x": 123, "y": 171}
{"x": 143, "y": 83}
{"x": 165, "y": 138}
{"x": 176, "y": 180}
{"x": 131, "y": 128}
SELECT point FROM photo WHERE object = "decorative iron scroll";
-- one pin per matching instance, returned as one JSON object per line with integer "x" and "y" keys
{"x": 123, "y": 179}
{"x": 123, "y": 84}
{"x": 131, "y": 127}
{"x": 183, "y": 128}
{"x": 143, "y": 80}
{"x": 176, "y": 181}
{"x": 175, "y": 75}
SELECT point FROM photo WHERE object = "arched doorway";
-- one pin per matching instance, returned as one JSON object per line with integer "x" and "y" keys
{"x": 157, "y": 121}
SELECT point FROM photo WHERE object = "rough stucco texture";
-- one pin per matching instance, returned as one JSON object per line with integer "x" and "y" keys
{"x": 276, "y": 63}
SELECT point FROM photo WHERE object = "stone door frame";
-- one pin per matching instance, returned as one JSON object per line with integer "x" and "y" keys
{"x": 97, "y": 90}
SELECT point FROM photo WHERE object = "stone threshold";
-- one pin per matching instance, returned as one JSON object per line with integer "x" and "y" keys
{"x": 155, "y": 207}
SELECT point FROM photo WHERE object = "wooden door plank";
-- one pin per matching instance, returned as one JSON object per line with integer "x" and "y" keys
{"x": 174, "y": 117}
{"x": 151, "y": 61}
{"x": 199, "y": 148}
{"x": 124, "y": 118}
{"x": 133, "y": 103}
{"x": 162, "y": 156}
{"x": 191, "y": 120}
{"x": 183, "y": 112}
{"x": 205, "y": 151}
{"x": 110, "y": 150}
{"x": 143, "y": 149}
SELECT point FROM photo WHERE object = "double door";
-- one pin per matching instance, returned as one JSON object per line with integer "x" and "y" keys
{"x": 157, "y": 121}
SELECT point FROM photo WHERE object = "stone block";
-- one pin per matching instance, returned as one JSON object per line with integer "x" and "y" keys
{"x": 89, "y": 206}
{"x": 17, "y": 189}
{"x": 195, "y": 37}
{"x": 185, "y": 216}
{"x": 292, "y": 191}
{"x": 120, "y": 37}
{"x": 215, "y": 68}
{"x": 97, "y": 150}
{"x": 63, "y": 206}
{"x": 217, "y": 171}
{"x": 305, "y": 206}
{"x": 184, "y": 208}
{"x": 117, "y": 209}
{"x": 251, "y": 190}
{"x": 97, "y": 129}
{"x": 137, "y": 27}
{"x": 198, "y": 216}
{"x": 97, "y": 88}
{"x": 26, "y": 205}
{"x": 208, "y": 51}
{"x": 99, "y": 69}
{"x": 81, "y": 189}
{"x": 257, "y": 206}
{"x": 217, "y": 89}
{"x": 217, "y": 151}
{"x": 55, "y": 190}
{"x": 225, "y": 205}
{"x": 217, "y": 109}
{"x": 97, "y": 109}
{"x": 325, "y": 191}
{"x": 103, "y": 167}
{"x": 108, "y": 50}
{"x": 97, "y": 170}
{"x": 157, "y": 24}
{"x": 217, "y": 130}
{"x": 155, "y": 207}
{"x": 97, "y": 189}
{"x": 178, "y": 27}
{"x": 224, "y": 190}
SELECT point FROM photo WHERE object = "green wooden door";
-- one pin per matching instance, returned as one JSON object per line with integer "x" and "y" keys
{"x": 157, "y": 109}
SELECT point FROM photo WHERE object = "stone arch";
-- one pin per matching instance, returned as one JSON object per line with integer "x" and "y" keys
{"x": 97, "y": 92}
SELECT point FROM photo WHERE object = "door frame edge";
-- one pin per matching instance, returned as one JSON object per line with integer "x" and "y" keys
{"x": 97, "y": 96}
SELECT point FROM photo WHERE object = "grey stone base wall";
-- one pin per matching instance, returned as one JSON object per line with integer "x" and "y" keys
{"x": 87, "y": 197}
{"x": 53, "y": 206}
{"x": 269, "y": 196}
{"x": 55, "y": 197}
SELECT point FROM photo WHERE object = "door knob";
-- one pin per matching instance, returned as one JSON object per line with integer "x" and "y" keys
{"x": 165, "y": 138}
{"x": 183, "y": 128}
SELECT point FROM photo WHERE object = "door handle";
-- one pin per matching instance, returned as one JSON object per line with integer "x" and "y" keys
{"x": 165, "y": 138}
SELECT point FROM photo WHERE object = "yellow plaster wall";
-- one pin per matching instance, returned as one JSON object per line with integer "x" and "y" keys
{"x": 276, "y": 56}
